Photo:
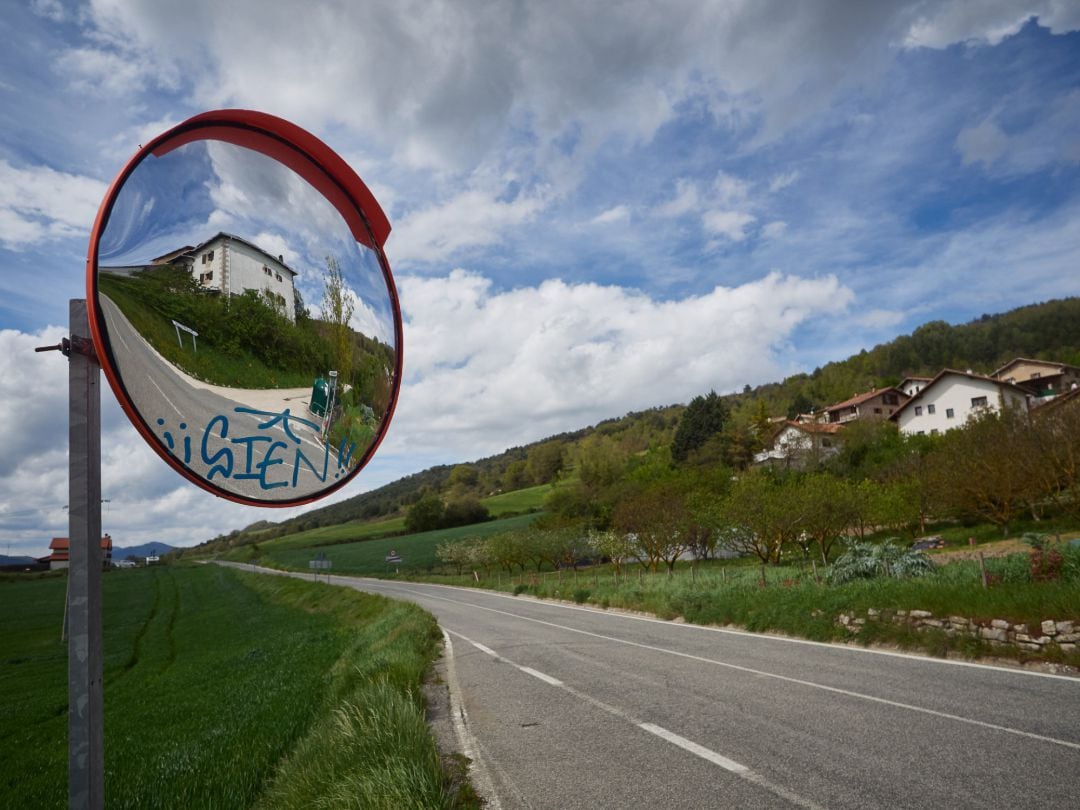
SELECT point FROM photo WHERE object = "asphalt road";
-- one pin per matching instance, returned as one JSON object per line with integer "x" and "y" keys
{"x": 246, "y": 454}
{"x": 572, "y": 707}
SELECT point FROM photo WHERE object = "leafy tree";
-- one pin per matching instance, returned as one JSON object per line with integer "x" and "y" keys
{"x": 337, "y": 311}
{"x": 516, "y": 476}
{"x": 600, "y": 462}
{"x": 704, "y": 417}
{"x": 545, "y": 460}
{"x": 464, "y": 512}
{"x": 611, "y": 545}
{"x": 977, "y": 472}
{"x": 658, "y": 519}
{"x": 426, "y": 514}
{"x": 463, "y": 479}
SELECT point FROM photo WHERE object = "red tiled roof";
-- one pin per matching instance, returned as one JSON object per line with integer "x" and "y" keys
{"x": 946, "y": 371}
{"x": 858, "y": 399}
{"x": 61, "y": 547}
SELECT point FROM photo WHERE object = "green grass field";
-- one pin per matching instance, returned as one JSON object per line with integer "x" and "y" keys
{"x": 225, "y": 689}
{"x": 518, "y": 501}
{"x": 368, "y": 557}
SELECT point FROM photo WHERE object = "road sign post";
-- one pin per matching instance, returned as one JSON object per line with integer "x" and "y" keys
{"x": 86, "y": 729}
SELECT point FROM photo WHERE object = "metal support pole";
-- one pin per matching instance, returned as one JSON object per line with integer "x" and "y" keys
{"x": 86, "y": 729}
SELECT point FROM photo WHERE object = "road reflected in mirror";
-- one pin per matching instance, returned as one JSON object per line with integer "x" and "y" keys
{"x": 252, "y": 333}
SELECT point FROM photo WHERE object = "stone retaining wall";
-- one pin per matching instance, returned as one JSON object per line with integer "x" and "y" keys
{"x": 1047, "y": 636}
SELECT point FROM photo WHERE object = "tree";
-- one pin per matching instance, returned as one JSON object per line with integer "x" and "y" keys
{"x": 337, "y": 311}
{"x": 463, "y": 478}
{"x": 658, "y": 519}
{"x": 464, "y": 512}
{"x": 614, "y": 546}
{"x": 545, "y": 460}
{"x": 977, "y": 471}
{"x": 516, "y": 476}
{"x": 426, "y": 514}
{"x": 600, "y": 462}
{"x": 764, "y": 514}
{"x": 703, "y": 418}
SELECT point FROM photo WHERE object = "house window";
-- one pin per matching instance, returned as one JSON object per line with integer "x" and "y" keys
{"x": 277, "y": 276}
{"x": 877, "y": 410}
{"x": 918, "y": 410}
{"x": 890, "y": 399}
{"x": 930, "y": 408}
{"x": 1036, "y": 374}
{"x": 934, "y": 432}
{"x": 978, "y": 402}
{"x": 949, "y": 413}
{"x": 826, "y": 442}
{"x": 267, "y": 270}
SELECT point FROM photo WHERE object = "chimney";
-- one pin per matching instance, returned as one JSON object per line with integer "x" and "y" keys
{"x": 280, "y": 259}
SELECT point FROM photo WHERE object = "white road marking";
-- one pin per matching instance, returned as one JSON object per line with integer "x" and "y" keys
{"x": 470, "y": 747}
{"x": 484, "y": 649}
{"x": 540, "y": 675}
{"x": 773, "y": 675}
{"x": 694, "y": 748}
{"x": 687, "y": 745}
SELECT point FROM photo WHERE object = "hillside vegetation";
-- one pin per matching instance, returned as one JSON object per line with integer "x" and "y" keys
{"x": 724, "y": 431}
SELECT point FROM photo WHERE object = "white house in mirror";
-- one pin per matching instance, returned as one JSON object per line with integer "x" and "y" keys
{"x": 231, "y": 265}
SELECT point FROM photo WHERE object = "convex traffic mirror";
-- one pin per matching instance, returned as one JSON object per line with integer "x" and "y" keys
{"x": 243, "y": 310}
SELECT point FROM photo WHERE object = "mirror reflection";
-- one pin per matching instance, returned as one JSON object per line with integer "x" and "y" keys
{"x": 252, "y": 333}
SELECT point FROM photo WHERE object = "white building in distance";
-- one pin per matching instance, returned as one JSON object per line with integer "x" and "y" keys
{"x": 231, "y": 265}
{"x": 951, "y": 398}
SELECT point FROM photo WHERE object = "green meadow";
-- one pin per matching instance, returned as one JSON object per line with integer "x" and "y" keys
{"x": 368, "y": 557}
{"x": 225, "y": 689}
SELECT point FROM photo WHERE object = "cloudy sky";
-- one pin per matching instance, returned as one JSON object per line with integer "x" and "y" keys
{"x": 597, "y": 207}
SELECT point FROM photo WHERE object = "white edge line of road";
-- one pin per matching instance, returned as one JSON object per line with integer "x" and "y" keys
{"x": 744, "y": 633}
{"x": 689, "y": 746}
{"x": 468, "y": 743}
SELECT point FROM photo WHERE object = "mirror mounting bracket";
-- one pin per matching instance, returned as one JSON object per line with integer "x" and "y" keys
{"x": 77, "y": 344}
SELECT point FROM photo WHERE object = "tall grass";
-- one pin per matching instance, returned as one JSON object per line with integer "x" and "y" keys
{"x": 218, "y": 687}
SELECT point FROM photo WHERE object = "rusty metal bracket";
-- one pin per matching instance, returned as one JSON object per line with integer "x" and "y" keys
{"x": 79, "y": 345}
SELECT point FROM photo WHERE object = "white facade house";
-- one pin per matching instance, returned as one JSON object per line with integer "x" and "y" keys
{"x": 799, "y": 443}
{"x": 913, "y": 385}
{"x": 231, "y": 265}
{"x": 951, "y": 398}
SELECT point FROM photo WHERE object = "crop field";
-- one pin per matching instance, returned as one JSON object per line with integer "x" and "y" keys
{"x": 225, "y": 689}
{"x": 368, "y": 558}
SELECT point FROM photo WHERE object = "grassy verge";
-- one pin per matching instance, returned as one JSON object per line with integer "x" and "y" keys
{"x": 793, "y": 602}
{"x": 225, "y": 690}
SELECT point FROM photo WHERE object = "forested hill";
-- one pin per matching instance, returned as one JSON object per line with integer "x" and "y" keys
{"x": 1044, "y": 331}
{"x": 1048, "y": 331}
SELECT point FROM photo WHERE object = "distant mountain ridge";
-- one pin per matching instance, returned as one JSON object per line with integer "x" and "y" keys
{"x": 1048, "y": 331}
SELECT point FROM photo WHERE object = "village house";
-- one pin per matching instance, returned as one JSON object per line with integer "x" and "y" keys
{"x": 951, "y": 398}
{"x": 61, "y": 548}
{"x": 878, "y": 404}
{"x": 230, "y": 265}
{"x": 1043, "y": 379}
{"x": 801, "y": 444}
{"x": 913, "y": 385}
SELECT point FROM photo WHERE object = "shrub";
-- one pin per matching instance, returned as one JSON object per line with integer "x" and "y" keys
{"x": 870, "y": 561}
{"x": 581, "y": 595}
